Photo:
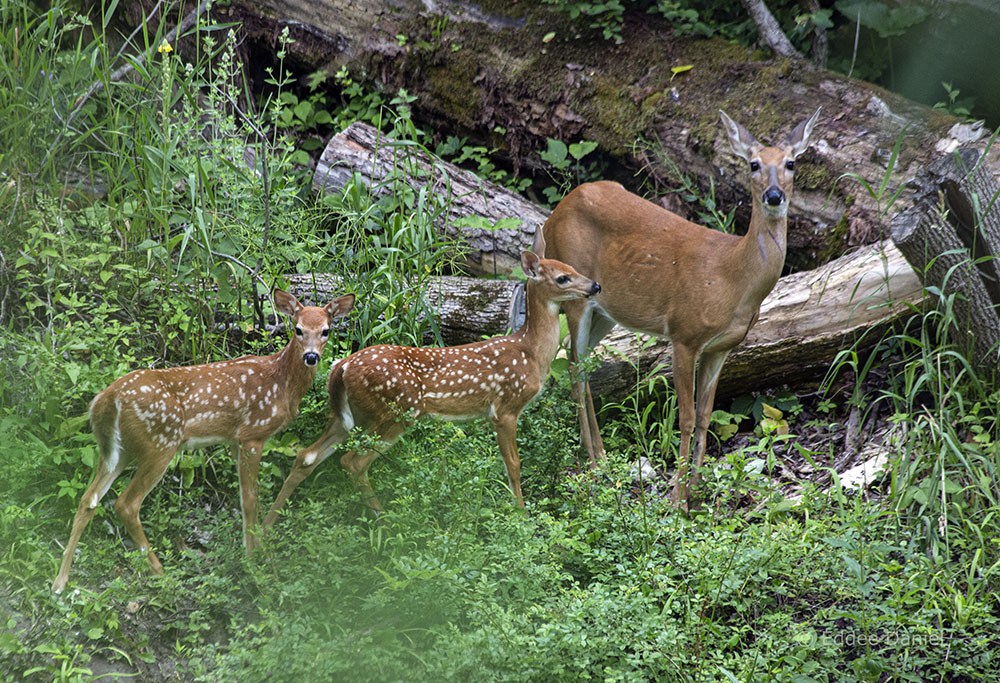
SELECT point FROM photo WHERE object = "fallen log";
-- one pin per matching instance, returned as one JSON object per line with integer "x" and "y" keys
{"x": 474, "y": 206}
{"x": 805, "y": 321}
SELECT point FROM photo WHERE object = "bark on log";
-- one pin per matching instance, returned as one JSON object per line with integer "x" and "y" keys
{"x": 804, "y": 322}
{"x": 490, "y": 76}
{"x": 468, "y": 309}
{"x": 951, "y": 237}
{"x": 362, "y": 150}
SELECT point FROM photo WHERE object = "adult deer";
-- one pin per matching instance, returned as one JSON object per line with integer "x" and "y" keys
{"x": 378, "y": 388}
{"x": 668, "y": 277}
{"x": 146, "y": 416}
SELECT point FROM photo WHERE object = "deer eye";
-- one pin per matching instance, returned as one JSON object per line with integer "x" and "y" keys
{"x": 754, "y": 166}
{"x": 298, "y": 331}
{"x": 562, "y": 279}
{"x": 790, "y": 165}
{"x": 325, "y": 333}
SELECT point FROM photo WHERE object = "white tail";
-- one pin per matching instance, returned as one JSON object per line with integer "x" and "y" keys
{"x": 378, "y": 387}
{"x": 145, "y": 417}
{"x": 668, "y": 277}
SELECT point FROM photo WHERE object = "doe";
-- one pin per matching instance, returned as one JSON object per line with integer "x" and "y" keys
{"x": 146, "y": 416}
{"x": 669, "y": 277}
{"x": 377, "y": 387}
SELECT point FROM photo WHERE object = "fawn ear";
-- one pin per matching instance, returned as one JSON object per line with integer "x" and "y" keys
{"x": 538, "y": 246}
{"x": 530, "y": 263}
{"x": 340, "y": 306}
{"x": 285, "y": 303}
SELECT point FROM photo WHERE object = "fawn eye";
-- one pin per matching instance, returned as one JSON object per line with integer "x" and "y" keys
{"x": 298, "y": 331}
{"x": 562, "y": 279}
{"x": 326, "y": 332}
{"x": 754, "y": 166}
{"x": 790, "y": 165}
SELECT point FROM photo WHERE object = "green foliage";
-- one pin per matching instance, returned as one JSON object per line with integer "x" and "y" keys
{"x": 567, "y": 168}
{"x": 605, "y": 16}
{"x": 480, "y": 159}
{"x": 962, "y": 108}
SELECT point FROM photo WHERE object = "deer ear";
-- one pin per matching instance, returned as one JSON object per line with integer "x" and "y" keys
{"x": 743, "y": 143}
{"x": 798, "y": 140}
{"x": 530, "y": 263}
{"x": 538, "y": 246}
{"x": 340, "y": 306}
{"x": 285, "y": 302}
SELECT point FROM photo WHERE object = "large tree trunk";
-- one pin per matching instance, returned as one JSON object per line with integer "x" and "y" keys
{"x": 497, "y": 76}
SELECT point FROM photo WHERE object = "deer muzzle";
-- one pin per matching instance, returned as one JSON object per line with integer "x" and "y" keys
{"x": 773, "y": 196}
{"x": 310, "y": 358}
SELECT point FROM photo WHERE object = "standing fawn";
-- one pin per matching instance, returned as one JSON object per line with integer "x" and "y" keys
{"x": 377, "y": 387}
{"x": 146, "y": 416}
{"x": 668, "y": 277}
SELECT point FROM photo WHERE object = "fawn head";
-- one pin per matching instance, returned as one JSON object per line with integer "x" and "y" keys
{"x": 771, "y": 168}
{"x": 312, "y": 323}
{"x": 560, "y": 281}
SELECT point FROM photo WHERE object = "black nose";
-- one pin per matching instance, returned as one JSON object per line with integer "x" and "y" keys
{"x": 773, "y": 196}
{"x": 595, "y": 289}
{"x": 310, "y": 358}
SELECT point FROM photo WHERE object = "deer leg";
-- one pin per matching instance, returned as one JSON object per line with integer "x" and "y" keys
{"x": 506, "y": 429}
{"x": 103, "y": 478}
{"x": 595, "y": 430}
{"x": 248, "y": 456}
{"x": 151, "y": 464}
{"x": 357, "y": 464}
{"x": 600, "y": 325}
{"x": 305, "y": 462}
{"x": 574, "y": 319}
{"x": 684, "y": 363}
{"x": 708, "y": 379}
{"x": 587, "y": 326}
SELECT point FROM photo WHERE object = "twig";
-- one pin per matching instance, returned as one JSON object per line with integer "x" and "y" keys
{"x": 768, "y": 28}
{"x": 852, "y": 434}
{"x": 854, "y": 55}
{"x": 251, "y": 271}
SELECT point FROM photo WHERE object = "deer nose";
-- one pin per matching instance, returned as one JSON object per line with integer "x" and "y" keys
{"x": 773, "y": 196}
{"x": 310, "y": 358}
{"x": 595, "y": 289}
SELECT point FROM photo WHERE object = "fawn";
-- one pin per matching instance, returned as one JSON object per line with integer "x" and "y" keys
{"x": 146, "y": 416}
